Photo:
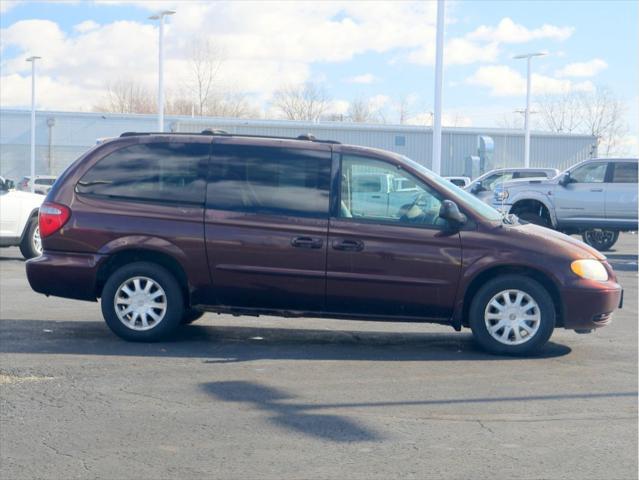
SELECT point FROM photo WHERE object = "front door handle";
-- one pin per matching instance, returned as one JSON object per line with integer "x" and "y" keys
{"x": 348, "y": 245}
{"x": 596, "y": 189}
{"x": 307, "y": 242}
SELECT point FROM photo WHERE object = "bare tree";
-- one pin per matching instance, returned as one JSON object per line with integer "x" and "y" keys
{"x": 561, "y": 113}
{"x": 127, "y": 96}
{"x": 206, "y": 60}
{"x": 511, "y": 121}
{"x": 308, "y": 101}
{"x": 403, "y": 107}
{"x": 362, "y": 111}
{"x": 598, "y": 113}
{"x": 602, "y": 116}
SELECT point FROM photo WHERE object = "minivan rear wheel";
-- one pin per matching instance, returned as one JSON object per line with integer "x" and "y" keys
{"x": 512, "y": 315}
{"x": 142, "y": 302}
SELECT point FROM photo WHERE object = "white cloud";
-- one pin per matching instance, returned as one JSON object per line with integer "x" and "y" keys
{"x": 504, "y": 81}
{"x": 6, "y": 5}
{"x": 582, "y": 69}
{"x": 265, "y": 47}
{"x": 507, "y": 31}
{"x": 365, "y": 78}
{"x": 86, "y": 26}
{"x": 483, "y": 44}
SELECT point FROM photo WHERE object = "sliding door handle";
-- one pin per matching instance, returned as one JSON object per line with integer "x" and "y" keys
{"x": 348, "y": 245}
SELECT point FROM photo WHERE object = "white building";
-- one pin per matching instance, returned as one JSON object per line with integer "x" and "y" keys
{"x": 62, "y": 136}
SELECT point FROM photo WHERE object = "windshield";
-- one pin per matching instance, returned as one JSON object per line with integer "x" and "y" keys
{"x": 482, "y": 209}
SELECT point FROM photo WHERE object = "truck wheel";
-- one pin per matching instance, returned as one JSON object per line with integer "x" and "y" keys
{"x": 600, "y": 239}
{"x": 512, "y": 315}
{"x": 142, "y": 302}
{"x": 191, "y": 315}
{"x": 31, "y": 245}
{"x": 532, "y": 217}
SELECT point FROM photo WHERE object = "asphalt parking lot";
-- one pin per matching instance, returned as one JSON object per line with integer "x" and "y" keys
{"x": 270, "y": 398}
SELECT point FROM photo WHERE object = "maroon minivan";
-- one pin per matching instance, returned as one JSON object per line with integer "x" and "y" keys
{"x": 163, "y": 227}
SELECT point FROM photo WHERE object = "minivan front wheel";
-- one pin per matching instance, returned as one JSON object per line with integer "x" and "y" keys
{"x": 142, "y": 302}
{"x": 512, "y": 315}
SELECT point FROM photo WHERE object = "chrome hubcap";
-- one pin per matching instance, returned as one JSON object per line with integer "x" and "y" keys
{"x": 512, "y": 317}
{"x": 140, "y": 303}
{"x": 37, "y": 241}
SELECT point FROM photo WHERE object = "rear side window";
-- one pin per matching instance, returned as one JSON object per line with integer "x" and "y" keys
{"x": 275, "y": 181}
{"x": 530, "y": 175}
{"x": 160, "y": 172}
{"x": 625, "y": 172}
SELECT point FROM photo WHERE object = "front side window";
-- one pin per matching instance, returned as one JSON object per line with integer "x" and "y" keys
{"x": 159, "y": 172}
{"x": 589, "y": 173}
{"x": 402, "y": 198}
{"x": 625, "y": 172}
{"x": 274, "y": 181}
{"x": 493, "y": 180}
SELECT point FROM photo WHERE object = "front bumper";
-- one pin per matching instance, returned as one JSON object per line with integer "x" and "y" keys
{"x": 585, "y": 309}
{"x": 69, "y": 275}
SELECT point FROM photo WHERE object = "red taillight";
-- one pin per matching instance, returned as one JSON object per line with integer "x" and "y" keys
{"x": 52, "y": 218}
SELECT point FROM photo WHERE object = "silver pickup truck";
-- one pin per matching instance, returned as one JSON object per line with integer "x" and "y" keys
{"x": 597, "y": 198}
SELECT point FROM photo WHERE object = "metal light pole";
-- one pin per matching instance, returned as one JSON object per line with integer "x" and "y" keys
{"x": 528, "y": 57}
{"x": 160, "y": 16}
{"x": 439, "y": 64}
{"x": 33, "y": 65}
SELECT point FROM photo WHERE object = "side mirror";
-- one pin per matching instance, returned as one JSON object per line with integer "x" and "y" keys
{"x": 565, "y": 179}
{"x": 9, "y": 184}
{"x": 450, "y": 211}
{"x": 476, "y": 188}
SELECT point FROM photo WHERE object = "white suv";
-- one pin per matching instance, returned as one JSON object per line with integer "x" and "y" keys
{"x": 19, "y": 219}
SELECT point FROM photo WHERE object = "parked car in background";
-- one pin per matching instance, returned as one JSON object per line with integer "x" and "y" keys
{"x": 19, "y": 219}
{"x": 482, "y": 187}
{"x": 461, "y": 182}
{"x": 294, "y": 227}
{"x": 43, "y": 184}
{"x": 597, "y": 198}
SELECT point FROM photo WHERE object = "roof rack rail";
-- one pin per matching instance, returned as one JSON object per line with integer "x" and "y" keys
{"x": 309, "y": 137}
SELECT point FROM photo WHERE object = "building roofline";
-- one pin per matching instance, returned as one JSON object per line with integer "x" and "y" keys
{"x": 209, "y": 122}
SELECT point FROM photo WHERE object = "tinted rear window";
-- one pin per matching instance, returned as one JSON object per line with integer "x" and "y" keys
{"x": 625, "y": 172}
{"x": 532, "y": 175}
{"x": 267, "y": 180}
{"x": 162, "y": 172}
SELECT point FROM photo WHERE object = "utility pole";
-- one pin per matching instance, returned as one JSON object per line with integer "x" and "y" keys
{"x": 439, "y": 72}
{"x": 528, "y": 57}
{"x": 160, "y": 16}
{"x": 33, "y": 59}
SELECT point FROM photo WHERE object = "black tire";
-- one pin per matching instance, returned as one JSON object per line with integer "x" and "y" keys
{"x": 532, "y": 217}
{"x": 600, "y": 239}
{"x": 191, "y": 315}
{"x": 173, "y": 298}
{"x": 524, "y": 284}
{"x": 29, "y": 244}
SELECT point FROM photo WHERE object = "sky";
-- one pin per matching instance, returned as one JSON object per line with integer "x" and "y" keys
{"x": 382, "y": 51}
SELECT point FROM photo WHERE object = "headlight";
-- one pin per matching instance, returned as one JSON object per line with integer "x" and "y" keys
{"x": 501, "y": 195}
{"x": 589, "y": 269}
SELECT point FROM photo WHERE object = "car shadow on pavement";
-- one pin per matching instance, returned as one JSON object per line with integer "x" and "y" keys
{"x": 227, "y": 344}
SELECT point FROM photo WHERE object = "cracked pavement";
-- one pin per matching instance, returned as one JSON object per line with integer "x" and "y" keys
{"x": 268, "y": 398}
